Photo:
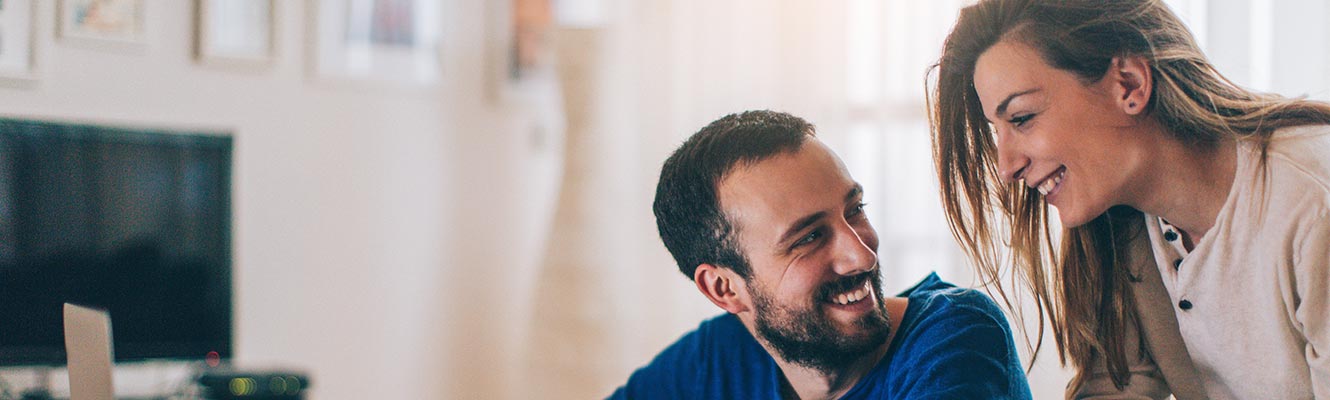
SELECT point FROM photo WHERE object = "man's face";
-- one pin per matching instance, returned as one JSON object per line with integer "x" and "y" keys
{"x": 815, "y": 288}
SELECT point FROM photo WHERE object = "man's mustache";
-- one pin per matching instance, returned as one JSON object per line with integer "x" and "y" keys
{"x": 844, "y": 284}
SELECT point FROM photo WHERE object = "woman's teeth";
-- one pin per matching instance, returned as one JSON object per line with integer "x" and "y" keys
{"x": 1050, "y": 183}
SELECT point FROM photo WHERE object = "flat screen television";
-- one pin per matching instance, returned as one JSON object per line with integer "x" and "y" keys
{"x": 137, "y": 222}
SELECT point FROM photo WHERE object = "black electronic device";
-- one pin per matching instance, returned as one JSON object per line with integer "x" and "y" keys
{"x": 242, "y": 385}
{"x": 134, "y": 221}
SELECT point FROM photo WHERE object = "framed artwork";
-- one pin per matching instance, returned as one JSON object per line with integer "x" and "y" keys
{"x": 102, "y": 21}
{"x": 386, "y": 41}
{"x": 235, "y": 32}
{"x": 530, "y": 53}
{"x": 522, "y": 54}
{"x": 16, "y": 41}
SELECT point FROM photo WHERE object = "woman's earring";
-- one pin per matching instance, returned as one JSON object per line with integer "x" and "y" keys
{"x": 1131, "y": 105}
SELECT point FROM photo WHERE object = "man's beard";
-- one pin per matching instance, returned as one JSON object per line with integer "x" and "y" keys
{"x": 809, "y": 338}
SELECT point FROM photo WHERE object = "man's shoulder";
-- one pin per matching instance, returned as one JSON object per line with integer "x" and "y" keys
{"x": 721, "y": 331}
{"x": 940, "y": 312}
{"x": 722, "y": 337}
{"x": 720, "y": 328}
{"x": 954, "y": 343}
{"x": 719, "y": 359}
{"x": 935, "y": 298}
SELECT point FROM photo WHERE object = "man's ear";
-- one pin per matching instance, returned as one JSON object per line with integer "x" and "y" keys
{"x": 723, "y": 287}
{"x": 1132, "y": 83}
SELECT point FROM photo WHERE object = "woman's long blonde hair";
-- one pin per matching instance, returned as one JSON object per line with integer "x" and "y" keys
{"x": 1084, "y": 286}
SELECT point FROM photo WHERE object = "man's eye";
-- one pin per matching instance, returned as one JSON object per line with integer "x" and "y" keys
{"x": 1020, "y": 120}
{"x": 809, "y": 238}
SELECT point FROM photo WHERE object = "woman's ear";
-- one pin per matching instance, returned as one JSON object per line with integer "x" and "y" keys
{"x": 1133, "y": 83}
{"x": 723, "y": 287}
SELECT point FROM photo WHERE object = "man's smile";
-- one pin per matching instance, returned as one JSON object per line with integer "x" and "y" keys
{"x": 853, "y": 295}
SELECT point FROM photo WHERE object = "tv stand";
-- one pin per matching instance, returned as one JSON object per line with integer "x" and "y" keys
{"x": 147, "y": 382}
{"x": 42, "y": 390}
{"x": 36, "y": 394}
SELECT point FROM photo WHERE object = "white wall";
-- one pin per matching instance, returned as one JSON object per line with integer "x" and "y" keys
{"x": 345, "y": 197}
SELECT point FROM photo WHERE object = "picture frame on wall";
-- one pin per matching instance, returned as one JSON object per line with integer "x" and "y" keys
{"x": 531, "y": 53}
{"x": 17, "y": 61}
{"x": 392, "y": 42}
{"x": 235, "y": 32}
{"x": 115, "y": 22}
{"x": 521, "y": 55}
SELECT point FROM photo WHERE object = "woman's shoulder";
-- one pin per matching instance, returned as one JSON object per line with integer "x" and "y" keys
{"x": 1303, "y": 154}
{"x": 1307, "y": 144}
{"x": 1296, "y": 173}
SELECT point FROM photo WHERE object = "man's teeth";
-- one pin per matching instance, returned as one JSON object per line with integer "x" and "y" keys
{"x": 1050, "y": 183}
{"x": 853, "y": 296}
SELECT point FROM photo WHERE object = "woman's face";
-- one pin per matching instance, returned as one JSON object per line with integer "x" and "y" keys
{"x": 1071, "y": 141}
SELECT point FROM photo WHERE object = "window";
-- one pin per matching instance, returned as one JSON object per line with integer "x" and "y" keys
{"x": 890, "y": 46}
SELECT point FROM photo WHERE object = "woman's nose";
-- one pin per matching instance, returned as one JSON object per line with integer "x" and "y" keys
{"x": 1011, "y": 162}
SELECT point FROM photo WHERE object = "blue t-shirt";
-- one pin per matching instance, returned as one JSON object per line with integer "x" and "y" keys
{"x": 952, "y": 343}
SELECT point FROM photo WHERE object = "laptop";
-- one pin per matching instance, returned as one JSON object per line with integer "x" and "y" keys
{"x": 88, "y": 351}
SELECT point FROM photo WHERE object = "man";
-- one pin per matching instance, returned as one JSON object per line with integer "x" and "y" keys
{"x": 769, "y": 225}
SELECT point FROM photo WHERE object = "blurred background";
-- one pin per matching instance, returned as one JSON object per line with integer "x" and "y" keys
{"x": 459, "y": 205}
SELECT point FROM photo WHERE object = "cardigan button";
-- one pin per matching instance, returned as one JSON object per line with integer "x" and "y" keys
{"x": 1184, "y": 305}
{"x": 1170, "y": 235}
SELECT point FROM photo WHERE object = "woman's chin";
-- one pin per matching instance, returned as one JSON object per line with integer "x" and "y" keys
{"x": 1073, "y": 217}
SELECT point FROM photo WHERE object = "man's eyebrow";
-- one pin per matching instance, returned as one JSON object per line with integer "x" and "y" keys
{"x": 1002, "y": 107}
{"x": 799, "y": 226}
{"x": 811, "y": 219}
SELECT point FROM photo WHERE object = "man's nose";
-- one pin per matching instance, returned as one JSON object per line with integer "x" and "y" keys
{"x": 853, "y": 255}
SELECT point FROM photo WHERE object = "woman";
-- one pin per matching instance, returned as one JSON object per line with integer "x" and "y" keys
{"x": 1195, "y": 214}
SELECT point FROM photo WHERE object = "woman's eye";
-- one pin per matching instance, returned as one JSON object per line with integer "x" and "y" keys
{"x": 1018, "y": 121}
{"x": 857, "y": 210}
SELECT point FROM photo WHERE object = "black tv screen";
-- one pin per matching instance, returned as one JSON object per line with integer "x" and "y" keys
{"x": 136, "y": 222}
